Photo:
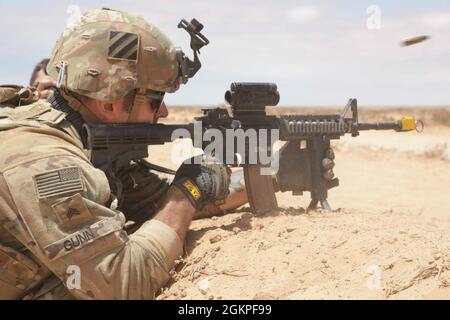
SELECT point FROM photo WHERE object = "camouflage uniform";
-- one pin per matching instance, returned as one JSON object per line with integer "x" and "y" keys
{"x": 56, "y": 209}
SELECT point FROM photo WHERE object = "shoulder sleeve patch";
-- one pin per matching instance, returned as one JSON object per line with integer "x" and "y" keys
{"x": 58, "y": 182}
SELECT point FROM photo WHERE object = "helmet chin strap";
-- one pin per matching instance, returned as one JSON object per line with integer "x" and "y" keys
{"x": 79, "y": 106}
{"x": 141, "y": 97}
{"x": 139, "y": 100}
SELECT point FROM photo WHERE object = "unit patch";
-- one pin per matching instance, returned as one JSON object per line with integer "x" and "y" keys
{"x": 57, "y": 182}
{"x": 123, "y": 45}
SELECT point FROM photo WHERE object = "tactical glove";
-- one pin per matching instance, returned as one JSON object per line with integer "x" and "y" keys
{"x": 296, "y": 171}
{"x": 204, "y": 181}
{"x": 328, "y": 165}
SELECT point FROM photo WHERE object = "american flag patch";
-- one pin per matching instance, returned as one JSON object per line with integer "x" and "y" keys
{"x": 56, "y": 182}
{"x": 123, "y": 45}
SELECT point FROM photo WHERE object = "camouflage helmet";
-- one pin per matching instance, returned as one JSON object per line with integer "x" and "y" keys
{"x": 110, "y": 52}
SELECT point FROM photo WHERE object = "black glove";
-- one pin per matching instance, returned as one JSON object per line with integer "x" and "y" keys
{"x": 295, "y": 172}
{"x": 328, "y": 165}
{"x": 204, "y": 182}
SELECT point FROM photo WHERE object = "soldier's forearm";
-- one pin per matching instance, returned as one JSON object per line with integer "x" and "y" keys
{"x": 233, "y": 201}
{"x": 176, "y": 212}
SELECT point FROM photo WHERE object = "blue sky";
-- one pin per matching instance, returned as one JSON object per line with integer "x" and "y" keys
{"x": 318, "y": 52}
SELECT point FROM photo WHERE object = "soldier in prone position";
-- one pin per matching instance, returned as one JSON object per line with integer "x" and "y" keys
{"x": 57, "y": 210}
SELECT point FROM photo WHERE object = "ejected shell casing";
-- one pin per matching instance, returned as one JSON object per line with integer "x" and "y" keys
{"x": 415, "y": 40}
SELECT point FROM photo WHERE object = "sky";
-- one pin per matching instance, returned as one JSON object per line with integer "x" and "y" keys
{"x": 319, "y": 53}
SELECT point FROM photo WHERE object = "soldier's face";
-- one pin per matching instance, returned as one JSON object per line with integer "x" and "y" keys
{"x": 44, "y": 83}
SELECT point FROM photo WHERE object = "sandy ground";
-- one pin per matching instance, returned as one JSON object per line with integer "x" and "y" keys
{"x": 387, "y": 237}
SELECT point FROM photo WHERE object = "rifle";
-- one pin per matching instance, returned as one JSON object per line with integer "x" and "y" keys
{"x": 300, "y": 159}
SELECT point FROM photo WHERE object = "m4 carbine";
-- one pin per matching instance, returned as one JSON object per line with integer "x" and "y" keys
{"x": 300, "y": 159}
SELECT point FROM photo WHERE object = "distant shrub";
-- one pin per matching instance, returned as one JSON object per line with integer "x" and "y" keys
{"x": 439, "y": 151}
{"x": 441, "y": 116}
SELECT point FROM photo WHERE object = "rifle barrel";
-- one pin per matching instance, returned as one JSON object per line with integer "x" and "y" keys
{"x": 393, "y": 125}
{"x": 404, "y": 124}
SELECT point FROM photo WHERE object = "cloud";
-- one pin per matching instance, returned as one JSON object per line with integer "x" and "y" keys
{"x": 303, "y": 14}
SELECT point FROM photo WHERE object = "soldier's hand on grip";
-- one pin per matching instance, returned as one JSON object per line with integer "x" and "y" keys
{"x": 203, "y": 181}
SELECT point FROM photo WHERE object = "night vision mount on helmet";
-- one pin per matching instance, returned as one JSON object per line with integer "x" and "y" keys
{"x": 189, "y": 68}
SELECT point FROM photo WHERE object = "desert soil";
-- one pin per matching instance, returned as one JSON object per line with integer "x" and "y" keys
{"x": 388, "y": 236}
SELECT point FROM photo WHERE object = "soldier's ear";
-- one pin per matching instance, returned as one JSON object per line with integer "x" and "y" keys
{"x": 109, "y": 107}
{"x": 104, "y": 106}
